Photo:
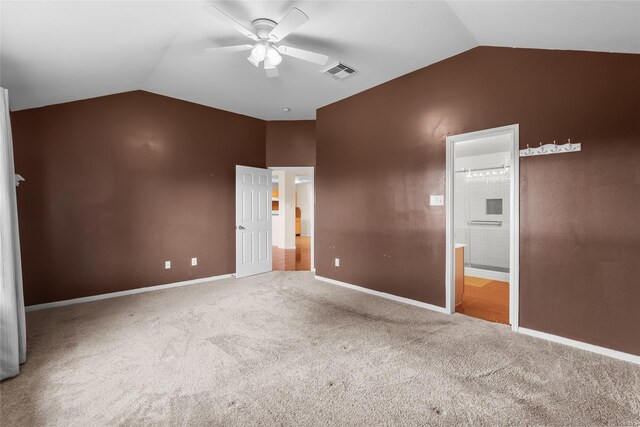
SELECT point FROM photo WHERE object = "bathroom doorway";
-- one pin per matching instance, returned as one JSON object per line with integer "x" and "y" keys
{"x": 482, "y": 224}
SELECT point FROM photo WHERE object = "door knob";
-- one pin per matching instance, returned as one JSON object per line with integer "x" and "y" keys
{"x": 240, "y": 227}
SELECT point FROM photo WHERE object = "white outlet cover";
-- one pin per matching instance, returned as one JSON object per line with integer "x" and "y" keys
{"x": 436, "y": 200}
{"x": 167, "y": 265}
{"x": 194, "y": 261}
{"x": 337, "y": 262}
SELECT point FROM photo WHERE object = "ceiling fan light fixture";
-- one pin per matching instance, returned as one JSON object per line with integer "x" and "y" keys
{"x": 268, "y": 64}
{"x": 253, "y": 61}
{"x": 258, "y": 52}
{"x": 273, "y": 55}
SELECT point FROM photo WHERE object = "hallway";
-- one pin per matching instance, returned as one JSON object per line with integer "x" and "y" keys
{"x": 298, "y": 259}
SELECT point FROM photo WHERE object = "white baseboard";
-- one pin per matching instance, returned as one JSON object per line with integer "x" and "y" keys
{"x": 124, "y": 293}
{"x": 549, "y": 337}
{"x": 285, "y": 247}
{"x": 384, "y": 295}
{"x": 486, "y": 274}
{"x": 582, "y": 345}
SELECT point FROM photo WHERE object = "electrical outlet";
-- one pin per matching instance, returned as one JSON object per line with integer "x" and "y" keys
{"x": 337, "y": 262}
{"x": 167, "y": 265}
{"x": 194, "y": 261}
{"x": 436, "y": 200}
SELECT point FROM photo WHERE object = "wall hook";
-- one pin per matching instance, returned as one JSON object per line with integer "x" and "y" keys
{"x": 553, "y": 148}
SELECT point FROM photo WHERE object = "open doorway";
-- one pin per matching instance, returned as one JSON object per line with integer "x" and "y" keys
{"x": 482, "y": 224}
{"x": 293, "y": 218}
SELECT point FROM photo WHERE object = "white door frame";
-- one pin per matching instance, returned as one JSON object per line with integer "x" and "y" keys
{"x": 312, "y": 225}
{"x": 514, "y": 232}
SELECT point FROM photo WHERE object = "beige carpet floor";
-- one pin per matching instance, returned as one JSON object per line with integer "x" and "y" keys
{"x": 284, "y": 349}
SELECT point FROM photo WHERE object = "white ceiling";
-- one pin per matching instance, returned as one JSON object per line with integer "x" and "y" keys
{"x": 602, "y": 26}
{"x": 304, "y": 175}
{"x": 54, "y": 52}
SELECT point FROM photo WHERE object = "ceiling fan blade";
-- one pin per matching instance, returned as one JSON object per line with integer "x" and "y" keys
{"x": 316, "y": 58}
{"x": 272, "y": 72}
{"x": 212, "y": 10}
{"x": 237, "y": 48}
{"x": 288, "y": 24}
{"x": 270, "y": 68}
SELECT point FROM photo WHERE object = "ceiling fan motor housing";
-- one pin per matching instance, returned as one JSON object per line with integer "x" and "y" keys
{"x": 262, "y": 27}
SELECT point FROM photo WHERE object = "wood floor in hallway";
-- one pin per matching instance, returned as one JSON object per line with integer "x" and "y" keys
{"x": 298, "y": 259}
{"x": 485, "y": 299}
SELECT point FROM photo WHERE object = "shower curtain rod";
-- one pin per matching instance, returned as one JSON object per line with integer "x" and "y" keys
{"x": 483, "y": 169}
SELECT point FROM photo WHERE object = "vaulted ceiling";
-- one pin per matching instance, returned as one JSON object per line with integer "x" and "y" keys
{"x": 54, "y": 51}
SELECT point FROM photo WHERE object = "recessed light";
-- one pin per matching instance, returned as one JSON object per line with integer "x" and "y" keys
{"x": 286, "y": 109}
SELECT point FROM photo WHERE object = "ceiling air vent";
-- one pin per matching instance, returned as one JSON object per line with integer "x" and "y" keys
{"x": 338, "y": 71}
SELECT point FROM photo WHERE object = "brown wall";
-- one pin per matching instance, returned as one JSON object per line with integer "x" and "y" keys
{"x": 119, "y": 184}
{"x": 382, "y": 152}
{"x": 291, "y": 143}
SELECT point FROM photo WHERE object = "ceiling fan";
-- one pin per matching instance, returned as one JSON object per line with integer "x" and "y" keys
{"x": 268, "y": 34}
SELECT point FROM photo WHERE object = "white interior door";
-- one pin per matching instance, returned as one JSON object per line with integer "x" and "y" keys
{"x": 253, "y": 221}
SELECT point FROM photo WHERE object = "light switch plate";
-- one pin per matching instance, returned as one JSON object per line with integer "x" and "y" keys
{"x": 194, "y": 261}
{"x": 167, "y": 265}
{"x": 436, "y": 200}
{"x": 337, "y": 262}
